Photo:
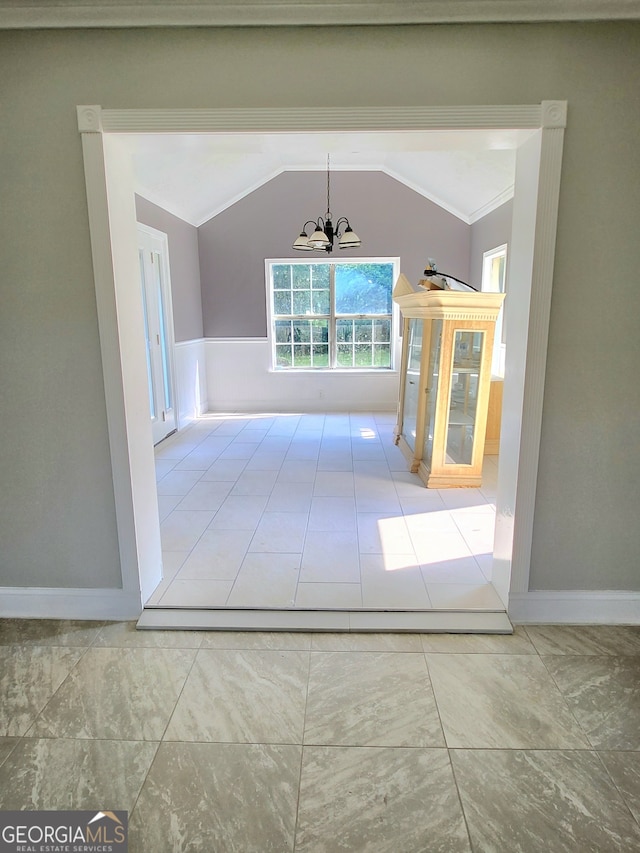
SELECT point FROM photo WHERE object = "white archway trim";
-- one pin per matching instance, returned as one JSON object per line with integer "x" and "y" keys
{"x": 539, "y": 313}
{"x": 111, "y": 214}
{"x": 306, "y": 119}
{"x": 112, "y": 222}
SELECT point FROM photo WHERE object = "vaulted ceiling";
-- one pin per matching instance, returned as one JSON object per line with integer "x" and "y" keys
{"x": 196, "y": 176}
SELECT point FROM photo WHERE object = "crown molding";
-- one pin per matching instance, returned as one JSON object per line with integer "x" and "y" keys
{"x": 60, "y": 14}
{"x": 496, "y": 202}
{"x": 428, "y": 195}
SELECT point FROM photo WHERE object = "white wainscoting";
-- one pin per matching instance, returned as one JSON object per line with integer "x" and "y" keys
{"x": 191, "y": 380}
{"x": 239, "y": 378}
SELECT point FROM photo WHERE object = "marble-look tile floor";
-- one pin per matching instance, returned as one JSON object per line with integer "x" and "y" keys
{"x": 231, "y": 742}
{"x": 316, "y": 511}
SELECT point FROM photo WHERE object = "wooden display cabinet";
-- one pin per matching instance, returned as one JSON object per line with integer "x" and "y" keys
{"x": 445, "y": 376}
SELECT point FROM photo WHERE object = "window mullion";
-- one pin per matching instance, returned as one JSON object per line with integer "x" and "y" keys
{"x": 333, "y": 347}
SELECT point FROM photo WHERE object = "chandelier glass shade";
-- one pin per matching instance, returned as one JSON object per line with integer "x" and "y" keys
{"x": 323, "y": 232}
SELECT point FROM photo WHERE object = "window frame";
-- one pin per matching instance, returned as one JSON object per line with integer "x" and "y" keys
{"x": 500, "y": 335}
{"x": 333, "y": 316}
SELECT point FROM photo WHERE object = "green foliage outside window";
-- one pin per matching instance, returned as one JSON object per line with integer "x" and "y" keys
{"x": 357, "y": 331}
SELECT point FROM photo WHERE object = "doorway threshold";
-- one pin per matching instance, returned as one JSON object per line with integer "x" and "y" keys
{"x": 414, "y": 621}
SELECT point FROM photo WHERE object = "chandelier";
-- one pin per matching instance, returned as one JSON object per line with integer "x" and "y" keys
{"x": 324, "y": 230}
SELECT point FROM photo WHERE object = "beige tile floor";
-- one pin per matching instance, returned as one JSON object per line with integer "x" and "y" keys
{"x": 316, "y": 512}
{"x": 282, "y": 742}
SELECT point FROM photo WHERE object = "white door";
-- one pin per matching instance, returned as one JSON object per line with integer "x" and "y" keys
{"x": 158, "y": 329}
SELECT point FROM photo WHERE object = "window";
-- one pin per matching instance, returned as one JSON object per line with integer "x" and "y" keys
{"x": 494, "y": 272}
{"x": 332, "y": 315}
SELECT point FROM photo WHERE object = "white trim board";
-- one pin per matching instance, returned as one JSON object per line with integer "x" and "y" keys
{"x": 191, "y": 379}
{"x": 62, "y": 603}
{"x": 417, "y": 621}
{"x": 533, "y": 247}
{"x": 576, "y": 607}
{"x": 144, "y": 13}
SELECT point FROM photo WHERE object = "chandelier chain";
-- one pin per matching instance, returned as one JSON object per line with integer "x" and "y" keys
{"x": 324, "y": 232}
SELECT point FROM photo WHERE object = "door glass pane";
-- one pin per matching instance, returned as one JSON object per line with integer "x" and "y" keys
{"x": 164, "y": 349}
{"x": 412, "y": 387}
{"x": 147, "y": 340}
{"x": 433, "y": 372}
{"x": 463, "y": 401}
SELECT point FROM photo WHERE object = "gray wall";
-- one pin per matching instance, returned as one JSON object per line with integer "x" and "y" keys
{"x": 184, "y": 265}
{"x": 57, "y": 523}
{"x": 389, "y": 218}
{"x": 487, "y": 233}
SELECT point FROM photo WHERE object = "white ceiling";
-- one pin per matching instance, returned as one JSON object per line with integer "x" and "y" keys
{"x": 196, "y": 176}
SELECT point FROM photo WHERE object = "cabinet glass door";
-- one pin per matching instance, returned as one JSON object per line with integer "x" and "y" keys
{"x": 463, "y": 399}
{"x": 433, "y": 371}
{"x": 412, "y": 384}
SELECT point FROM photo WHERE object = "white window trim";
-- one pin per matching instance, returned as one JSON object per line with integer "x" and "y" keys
{"x": 395, "y": 321}
{"x": 499, "y": 354}
{"x": 488, "y": 256}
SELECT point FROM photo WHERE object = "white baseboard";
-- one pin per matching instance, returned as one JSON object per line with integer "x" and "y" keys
{"x": 576, "y": 607}
{"x": 573, "y": 607}
{"x": 59, "y": 603}
{"x": 285, "y": 406}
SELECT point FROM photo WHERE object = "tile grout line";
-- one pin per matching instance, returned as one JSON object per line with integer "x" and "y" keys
{"x": 39, "y": 713}
{"x": 255, "y": 530}
{"x": 615, "y": 784}
{"x": 459, "y": 793}
{"x": 564, "y": 699}
{"x": 196, "y": 651}
{"x": 231, "y": 441}
{"x": 25, "y": 735}
{"x": 304, "y": 729}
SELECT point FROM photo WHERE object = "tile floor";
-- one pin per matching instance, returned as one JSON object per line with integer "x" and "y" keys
{"x": 316, "y": 512}
{"x": 318, "y": 743}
